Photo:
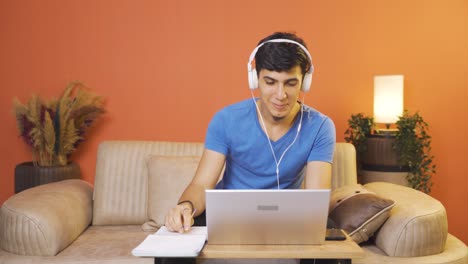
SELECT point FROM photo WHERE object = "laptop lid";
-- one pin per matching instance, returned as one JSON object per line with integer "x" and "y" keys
{"x": 278, "y": 217}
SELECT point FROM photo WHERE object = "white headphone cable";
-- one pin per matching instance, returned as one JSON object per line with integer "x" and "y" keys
{"x": 268, "y": 136}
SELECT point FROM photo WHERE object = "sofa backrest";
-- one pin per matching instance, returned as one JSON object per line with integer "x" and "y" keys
{"x": 344, "y": 170}
{"x": 120, "y": 189}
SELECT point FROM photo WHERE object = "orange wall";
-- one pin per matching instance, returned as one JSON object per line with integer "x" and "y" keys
{"x": 165, "y": 67}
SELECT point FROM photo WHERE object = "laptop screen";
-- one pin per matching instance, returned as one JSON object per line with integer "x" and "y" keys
{"x": 279, "y": 217}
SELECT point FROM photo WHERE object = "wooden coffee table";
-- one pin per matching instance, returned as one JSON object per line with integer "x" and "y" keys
{"x": 345, "y": 250}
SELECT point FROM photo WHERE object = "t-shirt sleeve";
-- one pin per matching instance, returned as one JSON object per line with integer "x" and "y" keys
{"x": 324, "y": 145}
{"x": 216, "y": 136}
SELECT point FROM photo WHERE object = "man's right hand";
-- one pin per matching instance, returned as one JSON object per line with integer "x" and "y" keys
{"x": 180, "y": 218}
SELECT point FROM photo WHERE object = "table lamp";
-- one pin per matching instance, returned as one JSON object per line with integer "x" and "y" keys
{"x": 381, "y": 162}
{"x": 388, "y": 100}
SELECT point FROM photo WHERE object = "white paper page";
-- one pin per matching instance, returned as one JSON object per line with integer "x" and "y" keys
{"x": 170, "y": 244}
{"x": 195, "y": 230}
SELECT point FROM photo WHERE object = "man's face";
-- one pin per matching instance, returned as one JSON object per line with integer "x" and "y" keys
{"x": 279, "y": 92}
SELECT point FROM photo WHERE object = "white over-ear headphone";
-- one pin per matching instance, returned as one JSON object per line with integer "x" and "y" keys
{"x": 253, "y": 78}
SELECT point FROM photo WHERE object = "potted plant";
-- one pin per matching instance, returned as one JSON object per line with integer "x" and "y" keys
{"x": 54, "y": 129}
{"x": 360, "y": 127}
{"x": 410, "y": 147}
{"x": 413, "y": 143}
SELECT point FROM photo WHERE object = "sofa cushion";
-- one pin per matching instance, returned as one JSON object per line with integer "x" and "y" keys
{"x": 417, "y": 225}
{"x": 105, "y": 245}
{"x": 120, "y": 183}
{"x": 43, "y": 220}
{"x": 455, "y": 252}
{"x": 168, "y": 176}
{"x": 358, "y": 211}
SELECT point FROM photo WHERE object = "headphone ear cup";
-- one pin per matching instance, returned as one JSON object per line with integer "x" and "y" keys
{"x": 253, "y": 79}
{"x": 307, "y": 82}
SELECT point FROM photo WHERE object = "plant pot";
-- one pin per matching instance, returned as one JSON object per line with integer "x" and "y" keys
{"x": 380, "y": 155}
{"x": 28, "y": 175}
{"x": 381, "y": 162}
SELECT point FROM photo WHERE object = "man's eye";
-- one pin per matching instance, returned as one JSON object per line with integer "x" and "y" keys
{"x": 270, "y": 82}
{"x": 292, "y": 84}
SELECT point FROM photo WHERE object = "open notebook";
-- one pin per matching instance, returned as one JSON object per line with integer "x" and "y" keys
{"x": 164, "y": 243}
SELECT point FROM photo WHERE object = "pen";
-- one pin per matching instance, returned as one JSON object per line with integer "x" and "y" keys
{"x": 194, "y": 211}
{"x": 186, "y": 228}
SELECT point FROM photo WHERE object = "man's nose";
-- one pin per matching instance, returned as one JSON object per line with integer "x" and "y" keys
{"x": 280, "y": 91}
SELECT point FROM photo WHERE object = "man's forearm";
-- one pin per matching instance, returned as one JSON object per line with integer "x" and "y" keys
{"x": 318, "y": 175}
{"x": 196, "y": 195}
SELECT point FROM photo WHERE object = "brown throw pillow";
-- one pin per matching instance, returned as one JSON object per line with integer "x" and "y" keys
{"x": 168, "y": 176}
{"x": 358, "y": 211}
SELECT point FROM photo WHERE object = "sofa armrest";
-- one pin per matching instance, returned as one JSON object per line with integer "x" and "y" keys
{"x": 45, "y": 219}
{"x": 417, "y": 225}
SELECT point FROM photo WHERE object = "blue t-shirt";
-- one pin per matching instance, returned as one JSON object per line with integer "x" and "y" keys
{"x": 235, "y": 131}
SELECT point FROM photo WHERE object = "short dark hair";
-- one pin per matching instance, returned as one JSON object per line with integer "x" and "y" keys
{"x": 281, "y": 56}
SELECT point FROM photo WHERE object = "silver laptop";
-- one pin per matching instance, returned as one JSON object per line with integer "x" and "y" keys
{"x": 272, "y": 217}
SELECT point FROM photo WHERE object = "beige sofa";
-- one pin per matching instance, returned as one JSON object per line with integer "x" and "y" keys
{"x": 72, "y": 222}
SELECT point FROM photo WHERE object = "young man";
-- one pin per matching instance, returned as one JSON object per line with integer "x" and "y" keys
{"x": 273, "y": 141}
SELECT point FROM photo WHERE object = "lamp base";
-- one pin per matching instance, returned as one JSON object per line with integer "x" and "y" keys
{"x": 386, "y": 131}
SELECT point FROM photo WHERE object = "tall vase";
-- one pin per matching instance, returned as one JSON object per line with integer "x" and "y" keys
{"x": 28, "y": 175}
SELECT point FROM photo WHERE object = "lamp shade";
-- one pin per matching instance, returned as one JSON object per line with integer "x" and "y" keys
{"x": 388, "y": 98}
